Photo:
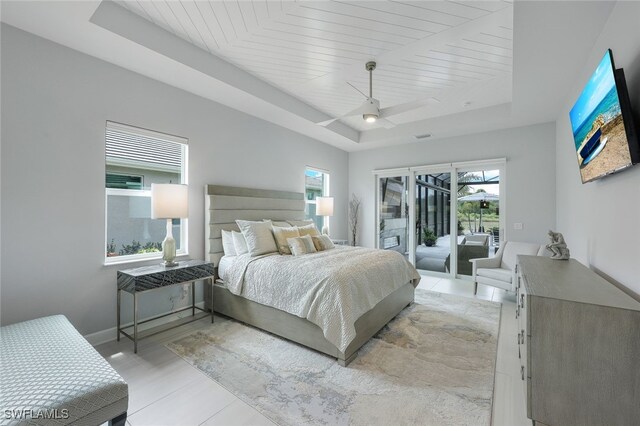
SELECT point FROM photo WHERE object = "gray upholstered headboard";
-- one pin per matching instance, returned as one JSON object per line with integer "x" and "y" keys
{"x": 224, "y": 204}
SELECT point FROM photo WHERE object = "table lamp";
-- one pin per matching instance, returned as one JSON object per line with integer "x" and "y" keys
{"x": 324, "y": 207}
{"x": 169, "y": 201}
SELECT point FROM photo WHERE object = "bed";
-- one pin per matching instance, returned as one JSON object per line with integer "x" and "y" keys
{"x": 235, "y": 298}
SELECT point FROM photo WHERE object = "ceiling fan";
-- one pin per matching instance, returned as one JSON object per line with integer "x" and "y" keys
{"x": 370, "y": 109}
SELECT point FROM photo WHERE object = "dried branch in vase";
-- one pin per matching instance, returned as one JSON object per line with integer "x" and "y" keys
{"x": 354, "y": 213}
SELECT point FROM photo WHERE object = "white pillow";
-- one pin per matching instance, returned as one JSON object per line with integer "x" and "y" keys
{"x": 279, "y": 223}
{"x": 300, "y": 222}
{"x": 281, "y": 235}
{"x": 308, "y": 230}
{"x": 301, "y": 245}
{"x": 322, "y": 242}
{"x": 227, "y": 243}
{"x": 259, "y": 237}
{"x": 239, "y": 243}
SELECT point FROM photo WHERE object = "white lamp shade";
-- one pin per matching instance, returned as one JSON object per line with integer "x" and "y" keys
{"x": 324, "y": 206}
{"x": 169, "y": 201}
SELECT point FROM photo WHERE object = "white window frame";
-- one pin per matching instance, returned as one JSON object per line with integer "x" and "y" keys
{"x": 325, "y": 188}
{"x": 184, "y": 223}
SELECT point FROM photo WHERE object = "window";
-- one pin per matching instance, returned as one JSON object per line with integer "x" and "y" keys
{"x": 316, "y": 184}
{"x": 136, "y": 158}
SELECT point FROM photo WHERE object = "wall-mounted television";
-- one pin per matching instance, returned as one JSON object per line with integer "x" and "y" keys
{"x": 604, "y": 132}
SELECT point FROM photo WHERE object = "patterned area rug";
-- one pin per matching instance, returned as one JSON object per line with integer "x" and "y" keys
{"x": 432, "y": 365}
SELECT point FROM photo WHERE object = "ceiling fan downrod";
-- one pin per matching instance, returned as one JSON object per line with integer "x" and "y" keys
{"x": 370, "y": 66}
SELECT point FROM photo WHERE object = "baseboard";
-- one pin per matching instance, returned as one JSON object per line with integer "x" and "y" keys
{"x": 100, "y": 337}
{"x": 109, "y": 335}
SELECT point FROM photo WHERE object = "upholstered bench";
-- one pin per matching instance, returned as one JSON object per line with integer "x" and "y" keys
{"x": 49, "y": 374}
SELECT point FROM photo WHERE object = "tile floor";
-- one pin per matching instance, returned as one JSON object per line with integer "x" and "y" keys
{"x": 165, "y": 390}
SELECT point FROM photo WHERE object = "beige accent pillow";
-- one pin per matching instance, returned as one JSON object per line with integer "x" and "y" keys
{"x": 300, "y": 222}
{"x": 227, "y": 243}
{"x": 322, "y": 242}
{"x": 282, "y": 235}
{"x": 301, "y": 245}
{"x": 259, "y": 237}
{"x": 239, "y": 243}
{"x": 308, "y": 230}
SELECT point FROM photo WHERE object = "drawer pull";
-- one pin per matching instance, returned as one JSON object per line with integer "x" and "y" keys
{"x": 522, "y": 371}
{"x": 522, "y": 337}
{"x": 522, "y": 300}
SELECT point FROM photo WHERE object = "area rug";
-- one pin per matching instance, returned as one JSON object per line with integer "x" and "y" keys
{"x": 432, "y": 365}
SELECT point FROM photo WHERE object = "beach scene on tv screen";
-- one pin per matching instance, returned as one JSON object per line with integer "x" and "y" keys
{"x": 598, "y": 127}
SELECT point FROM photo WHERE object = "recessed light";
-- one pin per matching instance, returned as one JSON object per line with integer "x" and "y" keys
{"x": 466, "y": 103}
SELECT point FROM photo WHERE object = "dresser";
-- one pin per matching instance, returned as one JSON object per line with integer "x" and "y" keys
{"x": 578, "y": 344}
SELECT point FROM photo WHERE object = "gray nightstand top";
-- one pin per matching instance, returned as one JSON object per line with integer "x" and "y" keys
{"x": 155, "y": 276}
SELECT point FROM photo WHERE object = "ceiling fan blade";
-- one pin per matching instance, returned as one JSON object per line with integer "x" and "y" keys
{"x": 360, "y": 110}
{"x": 409, "y": 106}
{"x": 385, "y": 123}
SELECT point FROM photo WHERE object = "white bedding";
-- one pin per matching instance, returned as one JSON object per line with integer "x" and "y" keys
{"x": 225, "y": 263}
{"x": 331, "y": 288}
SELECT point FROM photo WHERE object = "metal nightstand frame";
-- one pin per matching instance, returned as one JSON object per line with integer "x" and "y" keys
{"x": 139, "y": 335}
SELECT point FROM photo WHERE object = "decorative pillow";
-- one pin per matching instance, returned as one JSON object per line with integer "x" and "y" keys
{"x": 239, "y": 243}
{"x": 227, "y": 243}
{"x": 282, "y": 235}
{"x": 259, "y": 237}
{"x": 279, "y": 223}
{"x": 300, "y": 222}
{"x": 308, "y": 230}
{"x": 322, "y": 242}
{"x": 301, "y": 245}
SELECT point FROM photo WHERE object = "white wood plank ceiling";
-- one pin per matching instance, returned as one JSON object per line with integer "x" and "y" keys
{"x": 311, "y": 49}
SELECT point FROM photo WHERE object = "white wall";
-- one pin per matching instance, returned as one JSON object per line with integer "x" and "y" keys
{"x": 601, "y": 220}
{"x": 55, "y": 102}
{"x": 530, "y": 184}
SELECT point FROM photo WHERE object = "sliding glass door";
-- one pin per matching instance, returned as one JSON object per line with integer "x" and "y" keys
{"x": 393, "y": 214}
{"x": 433, "y": 221}
{"x": 439, "y": 217}
{"x": 478, "y": 208}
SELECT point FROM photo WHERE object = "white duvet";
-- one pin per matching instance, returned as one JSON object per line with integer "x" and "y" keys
{"x": 331, "y": 288}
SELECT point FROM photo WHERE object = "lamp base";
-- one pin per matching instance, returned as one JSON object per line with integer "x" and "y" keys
{"x": 169, "y": 248}
{"x": 325, "y": 230}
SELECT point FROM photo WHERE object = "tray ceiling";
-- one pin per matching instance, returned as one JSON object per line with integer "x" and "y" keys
{"x": 455, "y": 52}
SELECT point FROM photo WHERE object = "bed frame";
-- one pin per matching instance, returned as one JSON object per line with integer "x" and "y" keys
{"x": 225, "y": 204}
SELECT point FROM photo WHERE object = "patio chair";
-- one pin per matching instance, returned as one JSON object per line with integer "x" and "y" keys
{"x": 472, "y": 246}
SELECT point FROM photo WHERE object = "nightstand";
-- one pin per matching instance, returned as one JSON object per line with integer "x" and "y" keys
{"x": 141, "y": 280}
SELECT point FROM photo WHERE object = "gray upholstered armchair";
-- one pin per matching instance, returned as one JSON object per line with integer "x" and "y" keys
{"x": 499, "y": 271}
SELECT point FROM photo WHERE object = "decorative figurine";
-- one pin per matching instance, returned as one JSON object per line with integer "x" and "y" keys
{"x": 558, "y": 246}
